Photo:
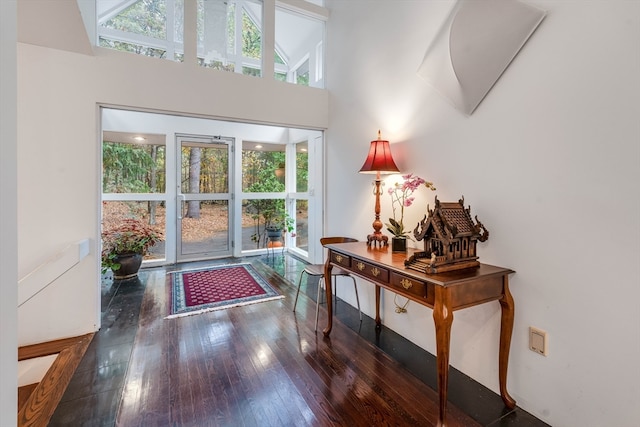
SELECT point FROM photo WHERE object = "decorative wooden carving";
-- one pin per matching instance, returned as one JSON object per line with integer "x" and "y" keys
{"x": 450, "y": 236}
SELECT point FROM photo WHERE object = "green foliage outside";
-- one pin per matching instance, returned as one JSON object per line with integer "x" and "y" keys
{"x": 213, "y": 164}
{"x": 260, "y": 177}
{"x": 303, "y": 80}
{"x": 251, "y": 38}
{"x": 132, "y": 169}
{"x": 144, "y": 17}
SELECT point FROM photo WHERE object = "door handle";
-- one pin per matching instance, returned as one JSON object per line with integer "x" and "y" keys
{"x": 184, "y": 199}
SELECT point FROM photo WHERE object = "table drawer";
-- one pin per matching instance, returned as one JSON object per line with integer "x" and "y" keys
{"x": 372, "y": 271}
{"x": 341, "y": 259}
{"x": 407, "y": 284}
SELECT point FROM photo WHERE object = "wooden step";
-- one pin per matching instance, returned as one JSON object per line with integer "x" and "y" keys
{"x": 23, "y": 394}
{"x": 37, "y": 402}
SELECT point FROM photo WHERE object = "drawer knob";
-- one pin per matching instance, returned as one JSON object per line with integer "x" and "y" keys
{"x": 339, "y": 258}
{"x": 375, "y": 272}
{"x": 360, "y": 266}
{"x": 406, "y": 283}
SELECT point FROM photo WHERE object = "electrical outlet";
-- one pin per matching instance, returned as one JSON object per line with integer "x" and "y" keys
{"x": 538, "y": 341}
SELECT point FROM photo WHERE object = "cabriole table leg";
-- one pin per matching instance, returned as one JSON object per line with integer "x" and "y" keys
{"x": 506, "y": 329}
{"x": 443, "y": 318}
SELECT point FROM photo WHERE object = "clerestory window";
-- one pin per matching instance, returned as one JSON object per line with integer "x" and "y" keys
{"x": 299, "y": 39}
{"x": 146, "y": 27}
{"x": 229, "y": 35}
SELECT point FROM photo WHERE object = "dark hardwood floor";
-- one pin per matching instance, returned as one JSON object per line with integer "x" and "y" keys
{"x": 259, "y": 365}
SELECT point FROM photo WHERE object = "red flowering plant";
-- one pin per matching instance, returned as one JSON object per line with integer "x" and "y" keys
{"x": 401, "y": 197}
{"x": 129, "y": 236}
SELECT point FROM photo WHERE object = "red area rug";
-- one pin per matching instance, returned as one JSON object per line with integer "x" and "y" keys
{"x": 217, "y": 288}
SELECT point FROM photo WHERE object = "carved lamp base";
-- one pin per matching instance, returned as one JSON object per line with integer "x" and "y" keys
{"x": 377, "y": 238}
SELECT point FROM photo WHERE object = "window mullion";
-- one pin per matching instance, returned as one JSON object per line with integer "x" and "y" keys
{"x": 133, "y": 38}
{"x": 237, "y": 54}
{"x": 170, "y": 26}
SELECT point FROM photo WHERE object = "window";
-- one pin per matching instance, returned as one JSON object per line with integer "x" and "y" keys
{"x": 302, "y": 196}
{"x": 301, "y": 74}
{"x": 132, "y": 163}
{"x": 263, "y": 171}
{"x": 263, "y": 167}
{"x": 146, "y": 27}
{"x": 299, "y": 41}
{"x": 230, "y": 35}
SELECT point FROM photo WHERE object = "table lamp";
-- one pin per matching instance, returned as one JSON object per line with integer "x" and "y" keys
{"x": 378, "y": 161}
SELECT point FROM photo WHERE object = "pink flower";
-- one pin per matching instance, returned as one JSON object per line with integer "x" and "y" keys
{"x": 401, "y": 194}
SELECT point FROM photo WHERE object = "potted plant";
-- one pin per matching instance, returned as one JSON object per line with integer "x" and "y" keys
{"x": 401, "y": 197}
{"x": 280, "y": 223}
{"x": 124, "y": 245}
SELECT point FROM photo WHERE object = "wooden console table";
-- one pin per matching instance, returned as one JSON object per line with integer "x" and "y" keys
{"x": 444, "y": 293}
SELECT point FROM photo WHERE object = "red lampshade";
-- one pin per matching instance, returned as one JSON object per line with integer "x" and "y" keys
{"x": 379, "y": 158}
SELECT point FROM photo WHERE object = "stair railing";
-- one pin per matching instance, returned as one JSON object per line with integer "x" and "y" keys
{"x": 47, "y": 272}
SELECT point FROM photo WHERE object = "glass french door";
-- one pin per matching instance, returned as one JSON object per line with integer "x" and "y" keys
{"x": 203, "y": 198}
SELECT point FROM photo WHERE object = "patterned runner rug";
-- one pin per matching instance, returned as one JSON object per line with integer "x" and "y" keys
{"x": 216, "y": 288}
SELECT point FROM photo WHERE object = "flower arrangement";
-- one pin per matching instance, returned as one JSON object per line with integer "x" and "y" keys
{"x": 130, "y": 236}
{"x": 401, "y": 197}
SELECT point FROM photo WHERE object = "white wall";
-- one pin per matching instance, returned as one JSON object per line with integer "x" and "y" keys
{"x": 550, "y": 163}
{"x": 57, "y": 195}
{"x": 8, "y": 216}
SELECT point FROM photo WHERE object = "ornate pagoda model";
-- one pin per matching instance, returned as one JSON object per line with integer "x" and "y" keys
{"x": 450, "y": 237}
